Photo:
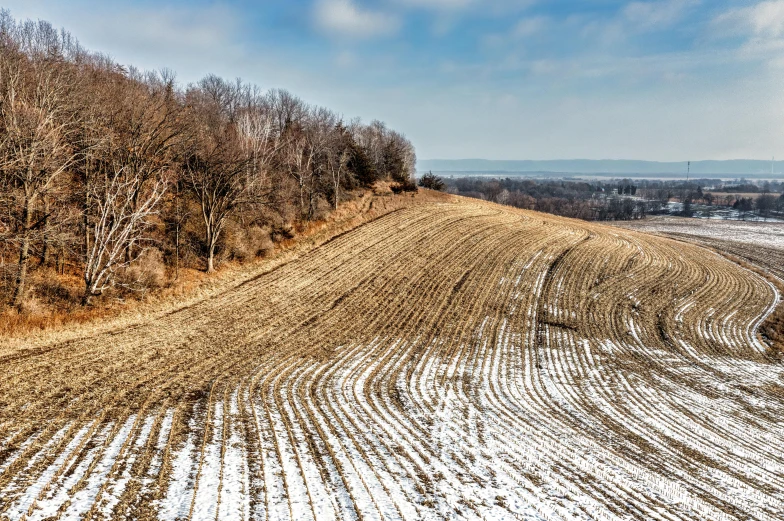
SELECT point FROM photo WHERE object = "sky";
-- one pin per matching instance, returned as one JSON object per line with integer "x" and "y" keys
{"x": 666, "y": 80}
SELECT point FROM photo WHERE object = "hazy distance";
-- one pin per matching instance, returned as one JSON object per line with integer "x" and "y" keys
{"x": 616, "y": 167}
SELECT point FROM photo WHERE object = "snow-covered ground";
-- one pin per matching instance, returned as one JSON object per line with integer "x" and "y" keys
{"x": 497, "y": 430}
{"x": 769, "y": 234}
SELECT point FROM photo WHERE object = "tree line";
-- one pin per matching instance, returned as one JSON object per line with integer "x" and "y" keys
{"x": 124, "y": 177}
{"x": 598, "y": 200}
{"x": 614, "y": 200}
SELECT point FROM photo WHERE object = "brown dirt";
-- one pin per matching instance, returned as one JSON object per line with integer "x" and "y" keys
{"x": 556, "y": 349}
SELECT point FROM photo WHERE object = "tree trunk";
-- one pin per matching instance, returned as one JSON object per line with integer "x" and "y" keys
{"x": 177, "y": 231}
{"x": 210, "y": 257}
{"x": 301, "y": 197}
{"x": 24, "y": 253}
{"x": 210, "y": 239}
{"x": 45, "y": 249}
{"x": 128, "y": 250}
{"x": 177, "y": 251}
{"x": 86, "y": 219}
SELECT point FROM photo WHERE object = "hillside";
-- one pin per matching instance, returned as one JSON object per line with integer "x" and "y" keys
{"x": 447, "y": 360}
{"x": 114, "y": 183}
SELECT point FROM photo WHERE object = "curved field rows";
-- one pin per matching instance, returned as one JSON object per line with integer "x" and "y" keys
{"x": 446, "y": 361}
{"x": 760, "y": 243}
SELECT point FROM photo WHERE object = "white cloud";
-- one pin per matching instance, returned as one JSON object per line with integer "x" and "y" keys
{"x": 762, "y": 27}
{"x": 161, "y": 27}
{"x": 529, "y": 26}
{"x": 344, "y": 19}
{"x": 767, "y": 18}
{"x": 634, "y": 19}
{"x": 522, "y": 30}
{"x": 657, "y": 14}
{"x": 192, "y": 41}
{"x": 482, "y": 8}
{"x": 439, "y": 4}
{"x": 346, "y": 59}
{"x": 763, "y": 20}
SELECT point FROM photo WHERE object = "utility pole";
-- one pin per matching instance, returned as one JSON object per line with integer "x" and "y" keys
{"x": 688, "y": 170}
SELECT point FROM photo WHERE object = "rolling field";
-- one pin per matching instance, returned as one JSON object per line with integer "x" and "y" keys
{"x": 760, "y": 243}
{"x": 445, "y": 361}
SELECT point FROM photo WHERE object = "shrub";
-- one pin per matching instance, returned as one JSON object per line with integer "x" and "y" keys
{"x": 282, "y": 232}
{"x": 147, "y": 272}
{"x": 432, "y": 182}
{"x": 244, "y": 244}
{"x": 404, "y": 186}
{"x": 58, "y": 291}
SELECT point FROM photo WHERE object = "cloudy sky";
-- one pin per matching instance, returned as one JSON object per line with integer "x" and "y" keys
{"x": 498, "y": 79}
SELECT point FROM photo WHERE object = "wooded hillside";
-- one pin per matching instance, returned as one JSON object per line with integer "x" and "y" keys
{"x": 122, "y": 177}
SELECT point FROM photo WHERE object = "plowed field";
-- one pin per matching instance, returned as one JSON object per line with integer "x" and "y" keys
{"x": 445, "y": 361}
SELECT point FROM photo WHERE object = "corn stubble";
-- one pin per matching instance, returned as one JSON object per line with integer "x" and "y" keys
{"x": 446, "y": 361}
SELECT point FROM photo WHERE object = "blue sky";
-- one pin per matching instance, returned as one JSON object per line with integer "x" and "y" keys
{"x": 499, "y": 79}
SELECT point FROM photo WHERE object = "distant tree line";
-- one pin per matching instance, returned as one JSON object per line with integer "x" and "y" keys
{"x": 578, "y": 199}
{"x": 711, "y": 195}
{"x": 615, "y": 200}
{"x": 123, "y": 177}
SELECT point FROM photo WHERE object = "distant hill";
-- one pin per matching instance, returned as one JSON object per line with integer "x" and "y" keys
{"x": 737, "y": 167}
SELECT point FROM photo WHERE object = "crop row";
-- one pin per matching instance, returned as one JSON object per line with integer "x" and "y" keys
{"x": 446, "y": 361}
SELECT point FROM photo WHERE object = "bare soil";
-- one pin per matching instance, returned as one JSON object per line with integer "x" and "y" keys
{"x": 446, "y": 359}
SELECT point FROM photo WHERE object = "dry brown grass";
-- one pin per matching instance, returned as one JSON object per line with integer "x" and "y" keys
{"x": 773, "y": 331}
{"x": 252, "y": 249}
{"x": 720, "y": 196}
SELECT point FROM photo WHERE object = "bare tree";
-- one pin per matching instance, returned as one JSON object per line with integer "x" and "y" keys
{"x": 285, "y": 109}
{"x": 88, "y": 148}
{"x": 298, "y": 158}
{"x": 398, "y": 157}
{"x": 147, "y": 117}
{"x": 178, "y": 216}
{"x": 320, "y": 137}
{"x": 336, "y": 160}
{"x": 261, "y": 143}
{"x": 122, "y": 212}
{"x": 216, "y": 163}
{"x": 36, "y": 114}
{"x": 372, "y": 138}
{"x": 128, "y": 130}
{"x": 216, "y": 177}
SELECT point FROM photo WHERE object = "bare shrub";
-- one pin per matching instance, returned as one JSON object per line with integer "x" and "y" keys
{"x": 147, "y": 272}
{"x": 244, "y": 244}
{"x": 57, "y": 291}
{"x": 407, "y": 185}
{"x": 321, "y": 209}
{"x": 31, "y": 305}
{"x": 282, "y": 232}
{"x": 261, "y": 241}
